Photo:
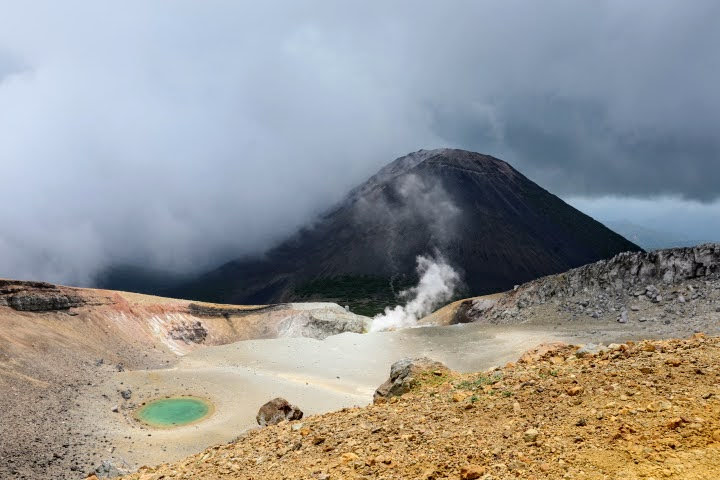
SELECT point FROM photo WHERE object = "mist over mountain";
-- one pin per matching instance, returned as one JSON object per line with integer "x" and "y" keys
{"x": 488, "y": 221}
{"x": 653, "y": 239}
{"x": 176, "y": 136}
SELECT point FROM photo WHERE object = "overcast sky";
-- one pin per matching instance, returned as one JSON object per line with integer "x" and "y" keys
{"x": 177, "y": 134}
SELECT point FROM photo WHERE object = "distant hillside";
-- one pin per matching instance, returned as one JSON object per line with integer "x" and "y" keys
{"x": 130, "y": 278}
{"x": 649, "y": 238}
{"x": 489, "y": 221}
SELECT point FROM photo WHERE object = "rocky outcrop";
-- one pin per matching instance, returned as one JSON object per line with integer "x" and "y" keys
{"x": 43, "y": 302}
{"x": 317, "y": 320}
{"x": 405, "y": 374}
{"x": 215, "y": 310}
{"x": 628, "y": 270}
{"x": 474, "y": 308}
{"x": 188, "y": 332}
{"x": 276, "y": 411}
{"x": 7, "y": 285}
{"x": 608, "y": 285}
{"x": 322, "y": 322}
{"x": 38, "y": 296}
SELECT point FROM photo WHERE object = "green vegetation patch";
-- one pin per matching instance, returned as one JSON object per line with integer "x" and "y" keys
{"x": 432, "y": 378}
{"x": 365, "y": 294}
{"x": 480, "y": 382}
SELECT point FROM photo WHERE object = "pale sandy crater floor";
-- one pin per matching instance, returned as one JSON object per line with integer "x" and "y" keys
{"x": 318, "y": 376}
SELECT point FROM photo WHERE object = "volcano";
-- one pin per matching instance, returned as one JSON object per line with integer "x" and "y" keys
{"x": 486, "y": 219}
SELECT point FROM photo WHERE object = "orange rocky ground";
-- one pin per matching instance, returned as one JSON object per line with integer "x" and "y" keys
{"x": 647, "y": 410}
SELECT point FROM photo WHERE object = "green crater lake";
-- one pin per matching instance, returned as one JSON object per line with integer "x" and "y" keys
{"x": 174, "y": 412}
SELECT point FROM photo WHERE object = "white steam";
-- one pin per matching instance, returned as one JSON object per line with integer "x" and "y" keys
{"x": 438, "y": 282}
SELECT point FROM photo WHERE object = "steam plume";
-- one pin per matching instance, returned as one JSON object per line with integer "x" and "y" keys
{"x": 438, "y": 282}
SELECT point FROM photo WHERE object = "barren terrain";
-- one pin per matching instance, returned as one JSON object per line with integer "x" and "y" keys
{"x": 75, "y": 365}
{"x": 636, "y": 410}
{"x": 60, "y": 345}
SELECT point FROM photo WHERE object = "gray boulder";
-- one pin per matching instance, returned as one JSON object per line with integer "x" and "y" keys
{"x": 277, "y": 410}
{"x": 109, "y": 470}
{"x": 404, "y": 375}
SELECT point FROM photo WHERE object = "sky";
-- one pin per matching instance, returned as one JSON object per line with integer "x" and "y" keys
{"x": 177, "y": 135}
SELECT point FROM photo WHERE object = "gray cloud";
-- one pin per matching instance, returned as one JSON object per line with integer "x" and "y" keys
{"x": 174, "y": 135}
{"x": 9, "y": 65}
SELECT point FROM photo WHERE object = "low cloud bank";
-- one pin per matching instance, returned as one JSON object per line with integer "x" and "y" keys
{"x": 175, "y": 136}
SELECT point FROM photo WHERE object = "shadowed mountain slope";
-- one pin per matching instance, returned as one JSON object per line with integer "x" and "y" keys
{"x": 485, "y": 218}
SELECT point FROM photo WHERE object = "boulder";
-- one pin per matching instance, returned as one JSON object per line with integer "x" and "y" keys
{"x": 277, "y": 410}
{"x": 404, "y": 375}
{"x": 108, "y": 470}
{"x": 472, "y": 472}
{"x": 477, "y": 309}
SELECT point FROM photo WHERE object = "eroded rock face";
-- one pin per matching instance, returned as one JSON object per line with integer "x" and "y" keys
{"x": 628, "y": 269}
{"x": 38, "y": 296}
{"x": 188, "y": 332}
{"x": 404, "y": 376}
{"x": 320, "y": 323}
{"x": 7, "y": 285}
{"x": 226, "y": 311}
{"x": 277, "y": 410}
{"x": 472, "y": 309}
{"x": 43, "y": 301}
{"x": 608, "y": 283}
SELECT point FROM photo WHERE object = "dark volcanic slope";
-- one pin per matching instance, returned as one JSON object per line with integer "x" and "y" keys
{"x": 488, "y": 220}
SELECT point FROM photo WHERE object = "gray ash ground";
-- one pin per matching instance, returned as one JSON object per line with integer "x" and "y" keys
{"x": 44, "y": 433}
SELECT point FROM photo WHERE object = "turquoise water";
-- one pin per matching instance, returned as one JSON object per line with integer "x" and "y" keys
{"x": 171, "y": 412}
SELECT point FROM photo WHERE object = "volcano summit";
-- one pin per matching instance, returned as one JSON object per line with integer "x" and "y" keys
{"x": 482, "y": 216}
